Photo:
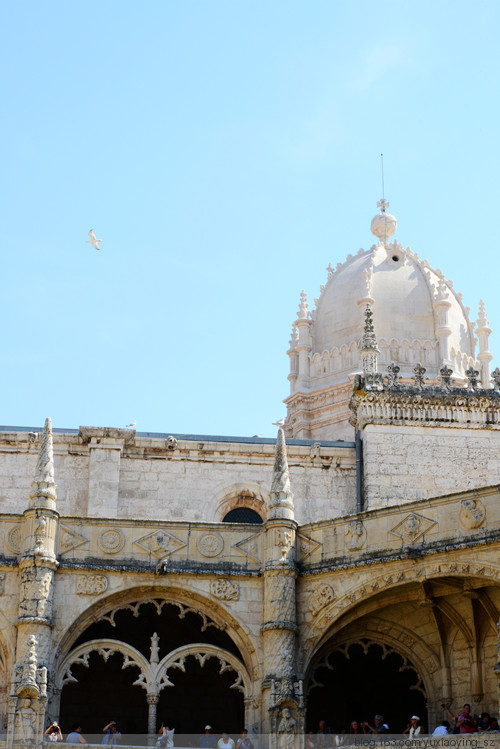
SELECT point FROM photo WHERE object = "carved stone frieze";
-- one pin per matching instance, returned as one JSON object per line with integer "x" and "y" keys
{"x": 210, "y": 544}
{"x": 2, "y": 584}
{"x": 473, "y": 514}
{"x": 91, "y": 585}
{"x": 225, "y": 589}
{"x": 424, "y": 403}
{"x": 111, "y": 541}
{"x": 69, "y": 539}
{"x": 250, "y": 547}
{"x": 412, "y": 527}
{"x": 160, "y": 543}
{"x": 306, "y": 546}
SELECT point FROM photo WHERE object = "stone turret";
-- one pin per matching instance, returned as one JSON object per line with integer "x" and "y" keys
{"x": 37, "y": 564}
{"x": 284, "y": 690}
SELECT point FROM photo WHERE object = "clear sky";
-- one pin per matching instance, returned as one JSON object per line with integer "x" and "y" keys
{"x": 226, "y": 152}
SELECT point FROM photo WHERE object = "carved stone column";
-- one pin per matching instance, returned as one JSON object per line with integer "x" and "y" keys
{"x": 497, "y": 667}
{"x": 282, "y": 689}
{"x": 37, "y": 564}
{"x": 152, "y": 717}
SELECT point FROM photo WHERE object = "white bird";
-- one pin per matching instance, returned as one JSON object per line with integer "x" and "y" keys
{"x": 255, "y": 436}
{"x": 131, "y": 426}
{"x": 93, "y": 240}
{"x": 279, "y": 423}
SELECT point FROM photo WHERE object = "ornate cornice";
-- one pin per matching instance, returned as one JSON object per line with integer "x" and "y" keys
{"x": 388, "y": 401}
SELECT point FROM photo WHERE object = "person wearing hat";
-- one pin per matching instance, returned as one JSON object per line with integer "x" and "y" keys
{"x": 413, "y": 728}
{"x": 207, "y": 740}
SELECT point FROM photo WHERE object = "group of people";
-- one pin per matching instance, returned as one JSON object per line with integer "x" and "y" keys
{"x": 464, "y": 722}
{"x": 111, "y": 733}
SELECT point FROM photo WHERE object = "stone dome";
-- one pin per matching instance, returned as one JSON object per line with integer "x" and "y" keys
{"x": 403, "y": 292}
{"x": 418, "y": 319}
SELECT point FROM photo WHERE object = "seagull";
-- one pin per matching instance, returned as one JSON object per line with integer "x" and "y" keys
{"x": 279, "y": 423}
{"x": 93, "y": 240}
{"x": 132, "y": 425}
{"x": 256, "y": 436}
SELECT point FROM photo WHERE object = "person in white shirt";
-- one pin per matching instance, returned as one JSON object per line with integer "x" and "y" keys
{"x": 442, "y": 729}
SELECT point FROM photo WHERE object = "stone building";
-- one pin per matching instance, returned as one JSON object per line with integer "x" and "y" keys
{"x": 353, "y": 570}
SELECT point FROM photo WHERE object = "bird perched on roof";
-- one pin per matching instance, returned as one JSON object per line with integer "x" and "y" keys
{"x": 131, "y": 426}
{"x": 93, "y": 240}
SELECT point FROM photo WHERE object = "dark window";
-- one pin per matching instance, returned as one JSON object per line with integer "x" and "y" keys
{"x": 243, "y": 515}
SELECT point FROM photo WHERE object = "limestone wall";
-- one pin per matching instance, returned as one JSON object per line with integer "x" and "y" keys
{"x": 142, "y": 478}
{"x": 405, "y": 463}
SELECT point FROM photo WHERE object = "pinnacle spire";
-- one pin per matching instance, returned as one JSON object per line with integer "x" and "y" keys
{"x": 43, "y": 485}
{"x": 369, "y": 349}
{"x": 303, "y": 307}
{"x": 280, "y": 502}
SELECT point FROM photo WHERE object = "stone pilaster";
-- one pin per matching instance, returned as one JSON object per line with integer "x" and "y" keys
{"x": 282, "y": 688}
{"x": 106, "y": 447}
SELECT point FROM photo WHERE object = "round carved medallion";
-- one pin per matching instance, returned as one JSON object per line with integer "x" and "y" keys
{"x": 111, "y": 541}
{"x": 14, "y": 538}
{"x": 210, "y": 545}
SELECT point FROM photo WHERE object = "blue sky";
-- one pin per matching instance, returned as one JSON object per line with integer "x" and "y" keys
{"x": 226, "y": 152}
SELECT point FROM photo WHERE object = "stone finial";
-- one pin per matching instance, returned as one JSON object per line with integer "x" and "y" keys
{"x": 419, "y": 375}
{"x": 442, "y": 291}
{"x": 43, "y": 485}
{"x": 280, "y": 502}
{"x": 495, "y": 378}
{"x": 383, "y": 225}
{"x": 393, "y": 375}
{"x": 303, "y": 308}
{"x": 330, "y": 271}
{"x": 445, "y": 377}
{"x": 155, "y": 648}
{"x": 294, "y": 338}
{"x": 482, "y": 321}
{"x": 473, "y": 377}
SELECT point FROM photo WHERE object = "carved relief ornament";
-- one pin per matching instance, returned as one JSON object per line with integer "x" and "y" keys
{"x": 224, "y": 589}
{"x": 111, "y": 541}
{"x": 473, "y": 514}
{"x": 91, "y": 585}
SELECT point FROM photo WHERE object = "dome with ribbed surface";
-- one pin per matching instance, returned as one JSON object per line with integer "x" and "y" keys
{"x": 418, "y": 319}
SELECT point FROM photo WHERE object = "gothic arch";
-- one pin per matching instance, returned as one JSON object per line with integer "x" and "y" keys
{"x": 203, "y": 652}
{"x": 391, "y": 581}
{"x": 239, "y": 495}
{"x": 212, "y": 613}
{"x": 153, "y": 676}
{"x": 391, "y": 636}
{"x": 105, "y": 648}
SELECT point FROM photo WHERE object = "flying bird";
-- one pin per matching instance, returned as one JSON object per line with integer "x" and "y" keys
{"x": 132, "y": 425}
{"x": 93, "y": 240}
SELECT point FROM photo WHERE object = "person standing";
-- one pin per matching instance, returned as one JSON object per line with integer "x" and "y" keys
{"x": 111, "y": 733}
{"x": 225, "y": 741}
{"x": 53, "y": 732}
{"x": 464, "y": 721}
{"x": 378, "y": 725}
{"x": 244, "y": 742}
{"x": 413, "y": 728}
{"x": 207, "y": 740}
{"x": 75, "y": 735}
